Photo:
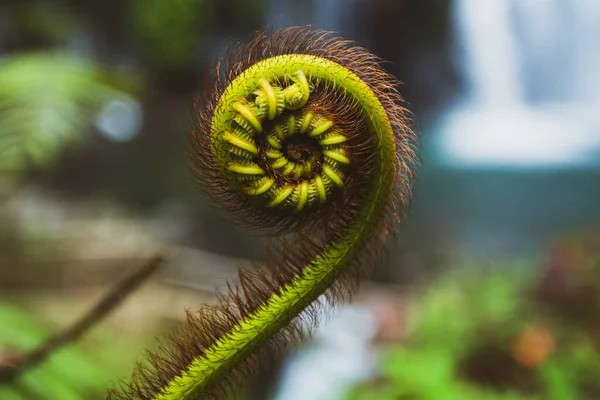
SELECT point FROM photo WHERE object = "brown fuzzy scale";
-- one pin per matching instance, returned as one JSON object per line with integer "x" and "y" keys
{"x": 287, "y": 256}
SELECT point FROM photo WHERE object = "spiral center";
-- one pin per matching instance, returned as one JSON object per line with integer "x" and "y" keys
{"x": 301, "y": 149}
{"x": 289, "y": 158}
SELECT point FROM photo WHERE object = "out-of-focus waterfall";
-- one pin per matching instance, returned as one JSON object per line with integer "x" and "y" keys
{"x": 484, "y": 40}
{"x": 532, "y": 88}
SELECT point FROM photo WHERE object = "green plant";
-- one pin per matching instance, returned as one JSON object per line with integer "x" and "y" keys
{"x": 449, "y": 319}
{"x": 47, "y": 100}
{"x": 73, "y": 372}
{"x": 304, "y": 133}
{"x": 475, "y": 335}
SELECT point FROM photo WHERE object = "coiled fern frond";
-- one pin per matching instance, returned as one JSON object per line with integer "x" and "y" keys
{"x": 304, "y": 135}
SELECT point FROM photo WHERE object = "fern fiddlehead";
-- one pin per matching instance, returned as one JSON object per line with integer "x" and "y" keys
{"x": 303, "y": 133}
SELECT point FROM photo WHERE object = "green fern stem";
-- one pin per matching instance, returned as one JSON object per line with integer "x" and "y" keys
{"x": 318, "y": 275}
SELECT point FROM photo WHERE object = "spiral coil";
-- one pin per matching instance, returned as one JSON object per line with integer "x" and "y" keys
{"x": 288, "y": 158}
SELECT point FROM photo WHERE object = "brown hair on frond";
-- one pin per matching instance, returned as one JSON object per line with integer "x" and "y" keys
{"x": 313, "y": 228}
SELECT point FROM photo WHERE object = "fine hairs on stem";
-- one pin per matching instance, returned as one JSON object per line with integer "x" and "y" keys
{"x": 302, "y": 134}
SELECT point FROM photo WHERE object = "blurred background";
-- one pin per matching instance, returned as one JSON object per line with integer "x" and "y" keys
{"x": 492, "y": 289}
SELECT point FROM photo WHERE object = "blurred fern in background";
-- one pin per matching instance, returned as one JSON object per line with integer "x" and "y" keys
{"x": 47, "y": 100}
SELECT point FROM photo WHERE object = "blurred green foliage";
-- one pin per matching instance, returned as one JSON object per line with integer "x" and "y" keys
{"x": 499, "y": 335}
{"x": 71, "y": 373}
{"x": 171, "y": 32}
{"x": 444, "y": 323}
{"x": 47, "y": 100}
{"x": 51, "y": 22}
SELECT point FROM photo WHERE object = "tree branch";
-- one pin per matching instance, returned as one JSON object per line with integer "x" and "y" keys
{"x": 71, "y": 333}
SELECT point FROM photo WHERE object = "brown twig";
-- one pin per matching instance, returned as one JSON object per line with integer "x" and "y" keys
{"x": 71, "y": 333}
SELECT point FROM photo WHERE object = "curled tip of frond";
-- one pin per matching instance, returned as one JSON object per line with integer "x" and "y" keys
{"x": 325, "y": 101}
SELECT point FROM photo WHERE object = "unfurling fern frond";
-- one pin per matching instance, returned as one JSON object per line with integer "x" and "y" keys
{"x": 303, "y": 133}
